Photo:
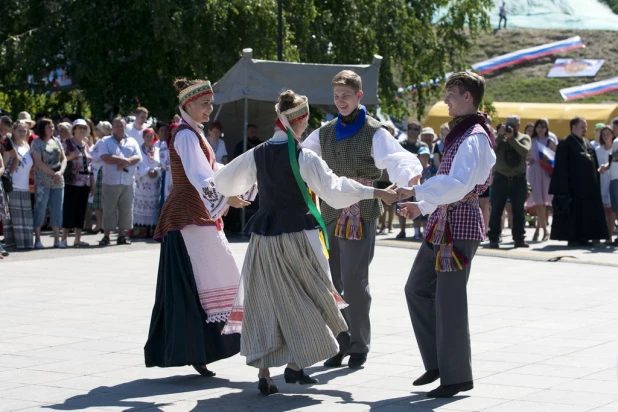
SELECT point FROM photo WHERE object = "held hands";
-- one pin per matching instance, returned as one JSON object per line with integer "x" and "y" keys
{"x": 405, "y": 193}
{"x": 57, "y": 178}
{"x": 237, "y": 202}
{"x": 604, "y": 168}
{"x": 409, "y": 210}
{"x": 388, "y": 195}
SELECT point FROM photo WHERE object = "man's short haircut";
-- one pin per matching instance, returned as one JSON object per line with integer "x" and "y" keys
{"x": 468, "y": 82}
{"x": 6, "y": 120}
{"x": 614, "y": 121}
{"x": 513, "y": 119}
{"x": 250, "y": 125}
{"x": 348, "y": 78}
{"x": 119, "y": 119}
{"x": 575, "y": 121}
{"x": 414, "y": 123}
{"x": 141, "y": 110}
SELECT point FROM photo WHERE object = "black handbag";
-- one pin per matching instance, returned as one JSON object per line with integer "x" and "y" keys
{"x": 7, "y": 182}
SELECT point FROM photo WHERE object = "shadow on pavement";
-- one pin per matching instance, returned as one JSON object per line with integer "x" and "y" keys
{"x": 244, "y": 396}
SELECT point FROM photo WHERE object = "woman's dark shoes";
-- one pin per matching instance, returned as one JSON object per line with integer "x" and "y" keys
{"x": 104, "y": 241}
{"x": 357, "y": 360}
{"x": 292, "y": 376}
{"x": 427, "y": 377}
{"x": 267, "y": 386}
{"x": 123, "y": 240}
{"x": 447, "y": 391}
{"x": 3, "y": 251}
{"x": 335, "y": 361}
{"x": 204, "y": 371}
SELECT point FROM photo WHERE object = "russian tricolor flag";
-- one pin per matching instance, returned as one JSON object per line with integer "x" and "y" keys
{"x": 525, "y": 55}
{"x": 590, "y": 89}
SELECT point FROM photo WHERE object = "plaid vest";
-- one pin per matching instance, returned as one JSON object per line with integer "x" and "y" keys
{"x": 184, "y": 205}
{"x": 464, "y": 217}
{"x": 351, "y": 158}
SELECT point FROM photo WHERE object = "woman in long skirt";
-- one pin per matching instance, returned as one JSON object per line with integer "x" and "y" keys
{"x": 18, "y": 228}
{"x": 287, "y": 306}
{"x": 198, "y": 276}
{"x": 146, "y": 206}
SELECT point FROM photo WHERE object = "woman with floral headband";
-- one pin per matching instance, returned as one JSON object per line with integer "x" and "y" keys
{"x": 287, "y": 306}
{"x": 198, "y": 276}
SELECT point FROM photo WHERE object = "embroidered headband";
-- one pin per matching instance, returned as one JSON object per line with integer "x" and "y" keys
{"x": 194, "y": 92}
{"x": 297, "y": 113}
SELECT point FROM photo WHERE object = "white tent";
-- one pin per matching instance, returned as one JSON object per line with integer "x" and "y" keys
{"x": 247, "y": 93}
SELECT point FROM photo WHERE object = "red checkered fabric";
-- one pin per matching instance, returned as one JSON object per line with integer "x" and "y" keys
{"x": 465, "y": 218}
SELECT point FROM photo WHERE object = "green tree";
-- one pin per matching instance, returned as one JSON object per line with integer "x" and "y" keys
{"x": 122, "y": 53}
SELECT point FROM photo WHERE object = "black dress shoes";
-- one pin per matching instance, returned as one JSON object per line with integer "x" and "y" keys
{"x": 204, "y": 371}
{"x": 335, "y": 361}
{"x": 292, "y": 376}
{"x": 357, "y": 360}
{"x": 267, "y": 386}
{"x": 427, "y": 377}
{"x": 447, "y": 391}
{"x": 521, "y": 244}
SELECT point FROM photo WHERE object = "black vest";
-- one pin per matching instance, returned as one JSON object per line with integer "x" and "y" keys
{"x": 282, "y": 207}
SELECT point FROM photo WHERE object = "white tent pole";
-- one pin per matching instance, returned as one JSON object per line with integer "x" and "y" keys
{"x": 246, "y": 55}
{"x": 218, "y": 111}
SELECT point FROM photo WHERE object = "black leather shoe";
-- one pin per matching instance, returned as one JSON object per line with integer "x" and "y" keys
{"x": 204, "y": 371}
{"x": 447, "y": 391}
{"x": 357, "y": 360}
{"x": 427, "y": 377}
{"x": 335, "y": 361}
{"x": 267, "y": 386}
{"x": 521, "y": 243}
{"x": 494, "y": 245}
{"x": 292, "y": 376}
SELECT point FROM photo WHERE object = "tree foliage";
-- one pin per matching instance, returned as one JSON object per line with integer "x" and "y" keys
{"x": 122, "y": 53}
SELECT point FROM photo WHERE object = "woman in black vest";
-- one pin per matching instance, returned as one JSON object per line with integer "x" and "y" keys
{"x": 287, "y": 306}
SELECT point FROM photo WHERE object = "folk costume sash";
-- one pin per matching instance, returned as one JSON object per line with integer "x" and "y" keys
{"x": 284, "y": 119}
{"x": 449, "y": 258}
{"x": 350, "y": 224}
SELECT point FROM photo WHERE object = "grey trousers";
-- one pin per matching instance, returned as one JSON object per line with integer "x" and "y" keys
{"x": 117, "y": 207}
{"x": 438, "y": 305}
{"x": 349, "y": 266}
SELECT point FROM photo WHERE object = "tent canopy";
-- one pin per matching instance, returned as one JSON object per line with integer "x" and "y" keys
{"x": 558, "y": 114}
{"x": 248, "y": 92}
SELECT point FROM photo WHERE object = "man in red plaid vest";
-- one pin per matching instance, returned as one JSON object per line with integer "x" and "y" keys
{"x": 436, "y": 288}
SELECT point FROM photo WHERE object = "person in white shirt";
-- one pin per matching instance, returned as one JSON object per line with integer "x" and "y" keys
{"x": 355, "y": 145}
{"x": 136, "y": 129}
{"x": 609, "y": 171}
{"x": 120, "y": 154}
{"x": 436, "y": 288}
{"x": 19, "y": 227}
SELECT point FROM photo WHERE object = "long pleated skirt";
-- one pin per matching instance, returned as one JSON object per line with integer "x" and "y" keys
{"x": 179, "y": 334}
{"x": 291, "y": 314}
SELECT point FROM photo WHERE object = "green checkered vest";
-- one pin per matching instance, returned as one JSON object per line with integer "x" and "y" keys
{"x": 351, "y": 158}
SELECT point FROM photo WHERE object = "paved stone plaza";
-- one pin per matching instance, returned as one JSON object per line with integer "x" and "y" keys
{"x": 544, "y": 338}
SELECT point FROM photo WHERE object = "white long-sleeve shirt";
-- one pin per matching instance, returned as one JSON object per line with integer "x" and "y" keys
{"x": 387, "y": 153}
{"x": 339, "y": 192}
{"x": 471, "y": 166}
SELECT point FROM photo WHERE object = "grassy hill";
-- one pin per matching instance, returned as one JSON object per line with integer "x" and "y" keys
{"x": 528, "y": 82}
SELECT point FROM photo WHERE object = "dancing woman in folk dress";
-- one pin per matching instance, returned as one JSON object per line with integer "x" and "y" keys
{"x": 287, "y": 306}
{"x": 198, "y": 276}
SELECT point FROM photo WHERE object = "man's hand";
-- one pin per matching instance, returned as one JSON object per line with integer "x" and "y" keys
{"x": 237, "y": 202}
{"x": 405, "y": 193}
{"x": 604, "y": 168}
{"x": 388, "y": 196}
{"x": 409, "y": 210}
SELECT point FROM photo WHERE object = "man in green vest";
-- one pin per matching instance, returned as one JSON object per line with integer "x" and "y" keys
{"x": 355, "y": 145}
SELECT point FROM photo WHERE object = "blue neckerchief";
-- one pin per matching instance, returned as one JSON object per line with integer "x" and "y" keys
{"x": 343, "y": 132}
